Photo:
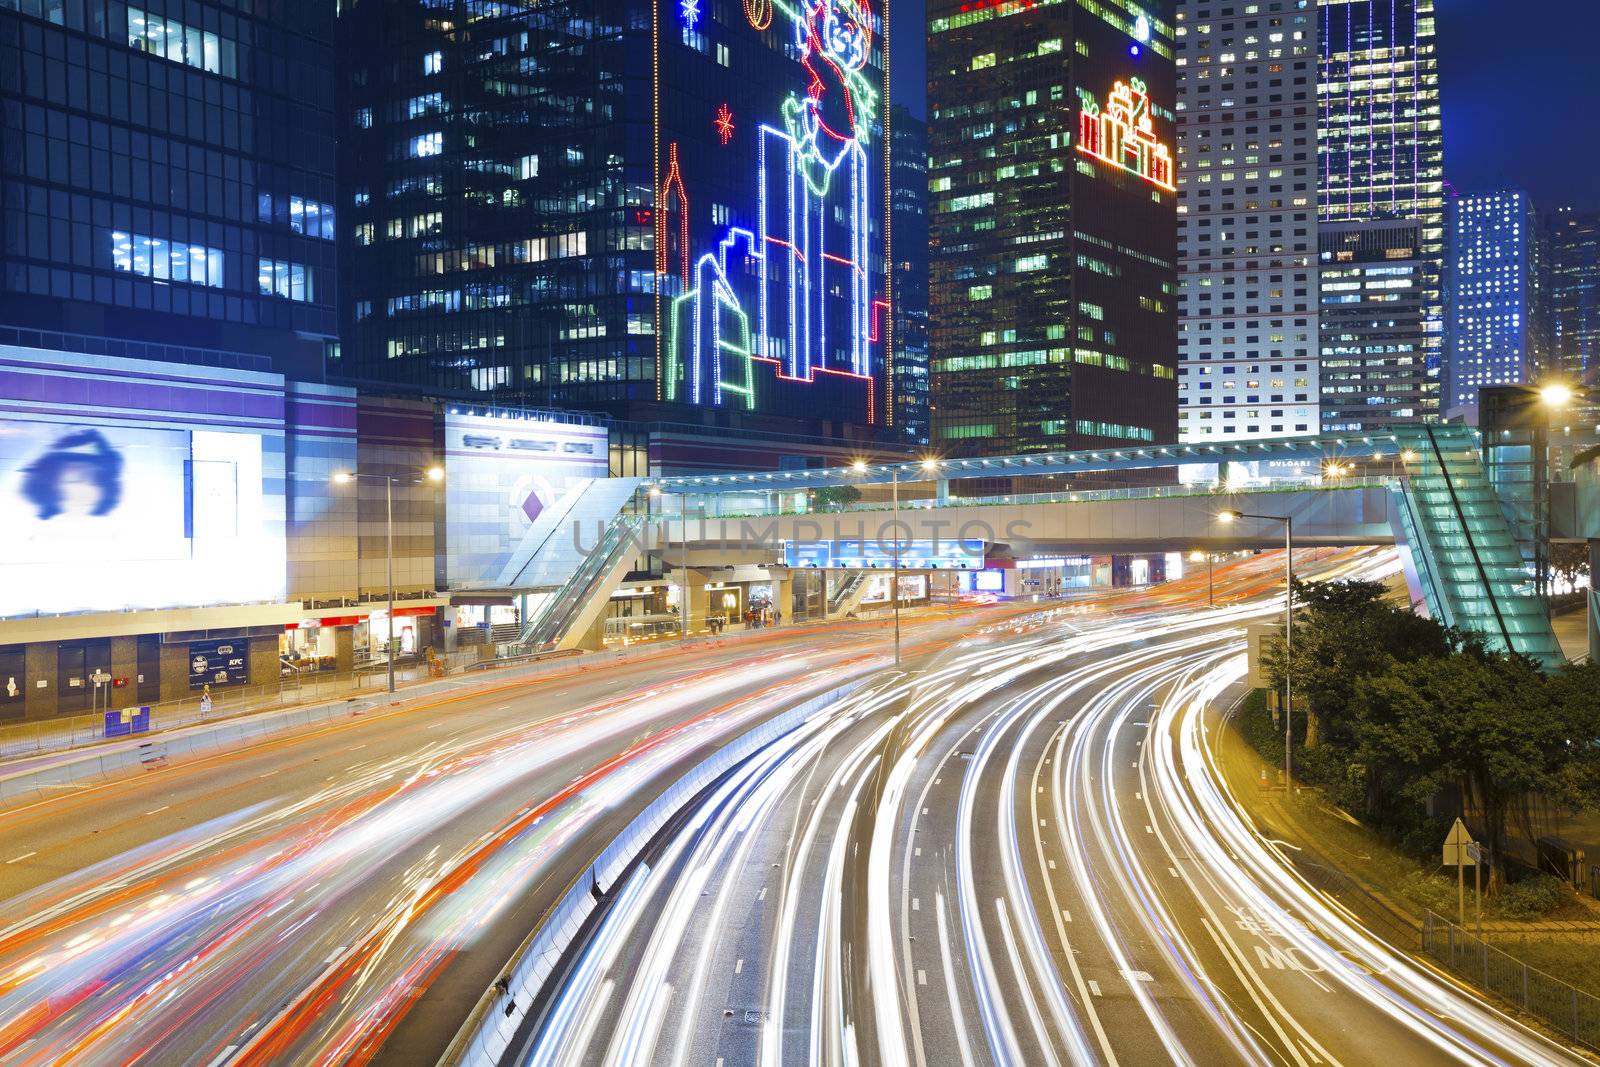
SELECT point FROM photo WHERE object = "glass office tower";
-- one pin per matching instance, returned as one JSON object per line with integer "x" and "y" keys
{"x": 1381, "y": 153}
{"x": 166, "y": 188}
{"x": 655, "y": 211}
{"x": 1052, "y": 185}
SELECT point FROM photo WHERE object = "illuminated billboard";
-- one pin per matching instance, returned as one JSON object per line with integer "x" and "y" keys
{"x": 502, "y": 473}
{"x": 109, "y": 517}
{"x": 880, "y": 554}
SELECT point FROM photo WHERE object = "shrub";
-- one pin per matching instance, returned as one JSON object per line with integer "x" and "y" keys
{"x": 1531, "y": 898}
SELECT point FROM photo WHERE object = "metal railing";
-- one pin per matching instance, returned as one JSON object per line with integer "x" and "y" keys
{"x": 743, "y": 509}
{"x": 67, "y": 732}
{"x": 1559, "y": 1005}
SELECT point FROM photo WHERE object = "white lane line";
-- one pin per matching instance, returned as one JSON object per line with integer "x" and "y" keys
{"x": 763, "y": 894}
{"x": 334, "y": 955}
{"x": 956, "y": 1013}
{"x": 1094, "y": 987}
{"x": 158, "y": 811}
{"x": 922, "y": 976}
{"x": 916, "y": 903}
{"x": 25, "y": 855}
{"x": 1066, "y": 915}
{"x": 919, "y": 850}
{"x": 224, "y": 1056}
{"x": 738, "y": 965}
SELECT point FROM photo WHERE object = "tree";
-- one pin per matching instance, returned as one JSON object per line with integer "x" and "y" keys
{"x": 1569, "y": 561}
{"x": 835, "y": 495}
{"x": 1345, "y": 631}
{"x": 1489, "y": 724}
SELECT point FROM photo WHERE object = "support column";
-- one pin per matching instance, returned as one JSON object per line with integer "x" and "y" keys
{"x": 692, "y": 596}
{"x": 1594, "y": 601}
{"x": 39, "y": 665}
{"x": 783, "y": 597}
{"x": 344, "y": 649}
{"x": 941, "y": 491}
{"x": 124, "y": 664}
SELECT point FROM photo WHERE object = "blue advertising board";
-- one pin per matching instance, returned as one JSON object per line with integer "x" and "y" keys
{"x": 219, "y": 663}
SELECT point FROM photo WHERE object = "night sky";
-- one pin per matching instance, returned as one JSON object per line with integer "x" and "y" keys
{"x": 1521, "y": 93}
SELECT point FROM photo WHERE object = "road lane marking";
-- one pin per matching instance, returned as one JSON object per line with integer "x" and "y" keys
{"x": 1094, "y": 987}
{"x": 763, "y": 894}
{"x": 738, "y": 965}
{"x": 158, "y": 811}
{"x": 916, "y": 903}
{"x": 25, "y": 855}
{"x": 922, "y": 976}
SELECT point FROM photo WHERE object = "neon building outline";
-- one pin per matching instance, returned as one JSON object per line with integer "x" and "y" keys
{"x": 1123, "y": 136}
{"x": 780, "y": 276}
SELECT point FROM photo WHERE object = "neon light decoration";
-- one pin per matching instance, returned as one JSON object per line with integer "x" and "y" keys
{"x": 724, "y": 123}
{"x": 763, "y": 295}
{"x": 759, "y": 13}
{"x": 690, "y": 10}
{"x": 1123, "y": 136}
{"x": 673, "y": 187}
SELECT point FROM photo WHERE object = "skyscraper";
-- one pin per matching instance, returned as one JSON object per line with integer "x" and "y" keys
{"x": 1053, "y": 199}
{"x": 653, "y": 210}
{"x": 1497, "y": 298}
{"x": 1381, "y": 151}
{"x": 1574, "y": 287}
{"x": 909, "y": 216}
{"x": 166, "y": 189}
{"x": 1375, "y": 301}
{"x": 1247, "y": 219}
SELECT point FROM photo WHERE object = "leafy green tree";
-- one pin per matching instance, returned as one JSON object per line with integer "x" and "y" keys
{"x": 835, "y": 495}
{"x": 1491, "y": 726}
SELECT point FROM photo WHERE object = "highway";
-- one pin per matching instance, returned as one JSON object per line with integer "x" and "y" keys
{"x": 1016, "y": 851}
{"x": 346, "y": 893}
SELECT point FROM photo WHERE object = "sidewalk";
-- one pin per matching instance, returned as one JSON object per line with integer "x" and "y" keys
{"x": 358, "y": 699}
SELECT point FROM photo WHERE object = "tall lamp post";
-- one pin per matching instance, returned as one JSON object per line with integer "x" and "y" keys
{"x": 435, "y": 475}
{"x": 1288, "y": 630}
{"x": 928, "y": 464}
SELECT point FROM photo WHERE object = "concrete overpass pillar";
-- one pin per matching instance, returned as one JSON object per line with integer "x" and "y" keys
{"x": 692, "y": 595}
{"x": 941, "y": 491}
{"x": 783, "y": 596}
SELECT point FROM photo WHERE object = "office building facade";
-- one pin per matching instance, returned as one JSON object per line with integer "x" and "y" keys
{"x": 1497, "y": 280}
{"x": 1375, "y": 301}
{"x": 1247, "y": 219}
{"x": 1573, "y": 283}
{"x": 637, "y": 209}
{"x": 1381, "y": 156}
{"x": 1052, "y": 213}
{"x": 167, "y": 188}
{"x": 909, "y": 216}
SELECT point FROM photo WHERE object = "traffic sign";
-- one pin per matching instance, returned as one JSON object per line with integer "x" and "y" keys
{"x": 1458, "y": 847}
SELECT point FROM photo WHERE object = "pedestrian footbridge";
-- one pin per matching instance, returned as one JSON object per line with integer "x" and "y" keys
{"x": 1423, "y": 488}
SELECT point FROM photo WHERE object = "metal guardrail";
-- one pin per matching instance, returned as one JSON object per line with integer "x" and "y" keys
{"x": 1559, "y": 1005}
{"x": 486, "y": 1036}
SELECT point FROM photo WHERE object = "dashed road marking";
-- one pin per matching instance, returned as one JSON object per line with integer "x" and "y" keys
{"x": 738, "y": 965}
{"x": 25, "y": 855}
{"x": 763, "y": 894}
{"x": 1094, "y": 987}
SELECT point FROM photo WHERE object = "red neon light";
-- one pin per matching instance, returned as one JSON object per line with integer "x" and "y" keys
{"x": 871, "y": 385}
{"x": 674, "y": 178}
{"x": 1123, "y": 136}
{"x": 878, "y": 308}
{"x": 724, "y": 123}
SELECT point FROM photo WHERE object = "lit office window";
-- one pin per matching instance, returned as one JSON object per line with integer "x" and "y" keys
{"x": 166, "y": 261}
{"x": 172, "y": 40}
{"x": 291, "y": 281}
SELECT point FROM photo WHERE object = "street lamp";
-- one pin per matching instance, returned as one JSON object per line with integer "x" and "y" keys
{"x": 433, "y": 474}
{"x": 1556, "y": 394}
{"x": 1288, "y": 630}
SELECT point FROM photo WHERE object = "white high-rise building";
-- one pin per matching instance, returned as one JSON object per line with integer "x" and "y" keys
{"x": 1247, "y": 219}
